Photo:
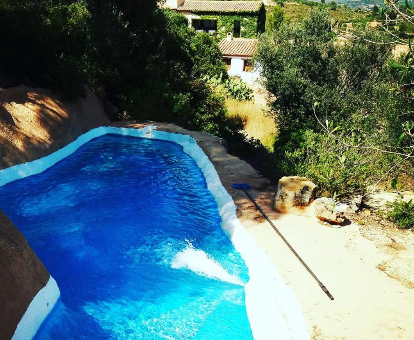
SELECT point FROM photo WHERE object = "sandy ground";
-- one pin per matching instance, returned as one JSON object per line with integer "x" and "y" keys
{"x": 368, "y": 303}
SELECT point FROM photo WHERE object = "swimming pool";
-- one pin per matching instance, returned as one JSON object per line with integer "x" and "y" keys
{"x": 131, "y": 233}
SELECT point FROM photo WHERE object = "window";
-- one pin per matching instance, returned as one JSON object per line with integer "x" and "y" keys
{"x": 227, "y": 61}
{"x": 204, "y": 25}
{"x": 236, "y": 29}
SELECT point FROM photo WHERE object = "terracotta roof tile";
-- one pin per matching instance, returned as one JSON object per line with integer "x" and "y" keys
{"x": 221, "y": 6}
{"x": 238, "y": 47}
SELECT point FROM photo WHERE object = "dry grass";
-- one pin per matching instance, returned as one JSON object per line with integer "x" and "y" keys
{"x": 255, "y": 119}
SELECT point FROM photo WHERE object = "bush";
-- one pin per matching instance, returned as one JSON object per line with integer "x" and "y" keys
{"x": 145, "y": 61}
{"x": 338, "y": 169}
{"x": 229, "y": 87}
{"x": 405, "y": 27}
{"x": 238, "y": 89}
{"x": 274, "y": 18}
{"x": 402, "y": 213}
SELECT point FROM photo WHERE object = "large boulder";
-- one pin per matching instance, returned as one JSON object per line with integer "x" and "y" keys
{"x": 294, "y": 194}
{"x": 326, "y": 210}
{"x": 22, "y": 275}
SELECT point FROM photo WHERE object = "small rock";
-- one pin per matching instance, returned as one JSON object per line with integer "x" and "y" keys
{"x": 293, "y": 192}
{"x": 327, "y": 211}
{"x": 355, "y": 203}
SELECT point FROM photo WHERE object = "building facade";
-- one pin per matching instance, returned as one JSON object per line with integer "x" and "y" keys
{"x": 243, "y": 19}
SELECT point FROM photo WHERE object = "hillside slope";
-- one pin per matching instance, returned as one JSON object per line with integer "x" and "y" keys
{"x": 35, "y": 122}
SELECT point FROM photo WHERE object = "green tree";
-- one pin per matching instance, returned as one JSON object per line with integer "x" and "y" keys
{"x": 43, "y": 42}
{"x": 340, "y": 120}
{"x": 274, "y": 18}
{"x": 144, "y": 61}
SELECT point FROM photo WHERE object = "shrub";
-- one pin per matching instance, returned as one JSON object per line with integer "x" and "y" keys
{"x": 405, "y": 27}
{"x": 274, "y": 18}
{"x": 238, "y": 89}
{"x": 337, "y": 168}
{"x": 402, "y": 213}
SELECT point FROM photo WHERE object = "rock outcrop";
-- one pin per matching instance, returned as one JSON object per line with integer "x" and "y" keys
{"x": 35, "y": 122}
{"x": 22, "y": 275}
{"x": 293, "y": 194}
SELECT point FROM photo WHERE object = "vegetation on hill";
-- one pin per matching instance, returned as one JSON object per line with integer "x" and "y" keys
{"x": 296, "y": 11}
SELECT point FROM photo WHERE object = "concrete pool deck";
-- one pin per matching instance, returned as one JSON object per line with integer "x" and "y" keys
{"x": 368, "y": 304}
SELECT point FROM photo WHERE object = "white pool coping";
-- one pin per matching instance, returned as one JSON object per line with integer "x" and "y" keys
{"x": 38, "y": 310}
{"x": 272, "y": 308}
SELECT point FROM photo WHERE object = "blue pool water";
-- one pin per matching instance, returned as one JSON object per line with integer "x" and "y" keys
{"x": 132, "y": 236}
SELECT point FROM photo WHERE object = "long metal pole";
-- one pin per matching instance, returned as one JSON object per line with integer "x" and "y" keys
{"x": 290, "y": 247}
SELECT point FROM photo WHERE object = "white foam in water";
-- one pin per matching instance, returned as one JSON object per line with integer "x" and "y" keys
{"x": 200, "y": 263}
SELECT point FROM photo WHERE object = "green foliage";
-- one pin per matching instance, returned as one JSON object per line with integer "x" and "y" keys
{"x": 144, "y": 61}
{"x": 43, "y": 43}
{"x": 172, "y": 84}
{"x": 402, "y": 213}
{"x": 206, "y": 56}
{"x": 231, "y": 87}
{"x": 249, "y": 25}
{"x": 238, "y": 89}
{"x": 274, "y": 18}
{"x": 405, "y": 27}
{"x": 336, "y": 107}
{"x": 292, "y": 59}
{"x": 308, "y": 3}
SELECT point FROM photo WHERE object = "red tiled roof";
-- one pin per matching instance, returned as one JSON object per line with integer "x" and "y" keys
{"x": 238, "y": 47}
{"x": 221, "y": 6}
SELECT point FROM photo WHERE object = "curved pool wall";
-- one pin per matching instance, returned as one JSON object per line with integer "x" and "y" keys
{"x": 272, "y": 308}
{"x": 40, "y": 307}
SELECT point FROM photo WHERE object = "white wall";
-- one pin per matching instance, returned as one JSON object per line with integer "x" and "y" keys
{"x": 173, "y": 4}
{"x": 236, "y": 66}
{"x": 190, "y": 16}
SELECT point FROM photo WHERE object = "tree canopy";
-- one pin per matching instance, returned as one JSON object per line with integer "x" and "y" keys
{"x": 340, "y": 113}
{"x": 142, "y": 60}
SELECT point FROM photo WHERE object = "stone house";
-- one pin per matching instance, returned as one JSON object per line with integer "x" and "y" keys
{"x": 237, "y": 53}
{"x": 243, "y": 19}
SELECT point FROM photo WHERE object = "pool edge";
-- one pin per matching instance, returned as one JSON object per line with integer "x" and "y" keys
{"x": 267, "y": 294}
{"x": 38, "y": 310}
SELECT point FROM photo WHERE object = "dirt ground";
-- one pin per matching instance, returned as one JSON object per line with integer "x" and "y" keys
{"x": 367, "y": 267}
